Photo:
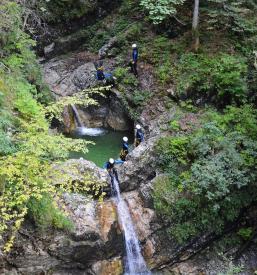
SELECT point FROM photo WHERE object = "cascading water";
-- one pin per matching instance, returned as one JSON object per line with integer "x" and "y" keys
{"x": 135, "y": 263}
{"x": 77, "y": 116}
{"x": 85, "y": 131}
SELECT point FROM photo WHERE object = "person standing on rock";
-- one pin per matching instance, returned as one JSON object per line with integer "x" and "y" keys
{"x": 124, "y": 151}
{"x": 139, "y": 136}
{"x": 134, "y": 59}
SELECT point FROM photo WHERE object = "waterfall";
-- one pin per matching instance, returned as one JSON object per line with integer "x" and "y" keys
{"x": 82, "y": 130}
{"x": 77, "y": 116}
{"x": 135, "y": 263}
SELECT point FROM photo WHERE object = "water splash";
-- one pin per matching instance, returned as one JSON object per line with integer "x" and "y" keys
{"x": 135, "y": 263}
{"x": 81, "y": 130}
{"x": 93, "y": 132}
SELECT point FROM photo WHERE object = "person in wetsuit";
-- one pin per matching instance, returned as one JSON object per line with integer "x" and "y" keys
{"x": 139, "y": 136}
{"x": 125, "y": 149}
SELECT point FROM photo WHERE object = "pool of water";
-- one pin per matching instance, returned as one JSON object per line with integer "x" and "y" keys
{"x": 107, "y": 144}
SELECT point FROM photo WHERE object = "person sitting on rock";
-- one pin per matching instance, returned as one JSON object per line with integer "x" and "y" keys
{"x": 100, "y": 73}
{"x": 139, "y": 136}
{"x": 124, "y": 151}
{"x": 107, "y": 78}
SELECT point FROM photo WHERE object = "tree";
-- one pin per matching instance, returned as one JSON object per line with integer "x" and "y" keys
{"x": 195, "y": 26}
{"x": 160, "y": 10}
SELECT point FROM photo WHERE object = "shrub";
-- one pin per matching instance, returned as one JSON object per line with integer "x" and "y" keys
{"x": 220, "y": 79}
{"x": 157, "y": 52}
{"x": 210, "y": 174}
{"x": 45, "y": 214}
{"x": 174, "y": 125}
{"x": 124, "y": 77}
{"x": 245, "y": 233}
{"x": 164, "y": 72}
{"x": 140, "y": 97}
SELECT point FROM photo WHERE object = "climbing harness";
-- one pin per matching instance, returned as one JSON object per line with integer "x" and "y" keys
{"x": 137, "y": 142}
{"x": 123, "y": 154}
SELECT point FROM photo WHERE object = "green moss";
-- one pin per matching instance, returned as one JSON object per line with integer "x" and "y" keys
{"x": 46, "y": 215}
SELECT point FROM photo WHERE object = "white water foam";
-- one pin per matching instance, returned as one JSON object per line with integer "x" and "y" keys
{"x": 93, "y": 132}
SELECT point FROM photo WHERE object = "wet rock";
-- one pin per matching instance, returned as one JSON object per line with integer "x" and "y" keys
{"x": 107, "y": 218}
{"x": 140, "y": 167}
{"x": 112, "y": 267}
{"x": 79, "y": 168}
{"x": 68, "y": 120}
{"x": 82, "y": 212}
{"x": 49, "y": 49}
{"x": 145, "y": 192}
{"x": 102, "y": 53}
{"x": 142, "y": 217}
{"x": 109, "y": 114}
{"x": 149, "y": 249}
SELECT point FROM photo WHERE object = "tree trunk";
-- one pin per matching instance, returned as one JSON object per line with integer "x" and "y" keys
{"x": 195, "y": 26}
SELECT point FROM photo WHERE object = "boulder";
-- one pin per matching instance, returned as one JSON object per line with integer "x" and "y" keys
{"x": 103, "y": 52}
{"x": 65, "y": 80}
{"x": 110, "y": 267}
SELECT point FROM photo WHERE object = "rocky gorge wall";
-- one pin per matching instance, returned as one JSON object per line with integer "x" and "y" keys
{"x": 95, "y": 245}
{"x": 67, "y": 75}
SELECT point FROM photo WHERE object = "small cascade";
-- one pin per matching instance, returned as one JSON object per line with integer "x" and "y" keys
{"x": 82, "y": 130}
{"x": 77, "y": 116}
{"x": 135, "y": 263}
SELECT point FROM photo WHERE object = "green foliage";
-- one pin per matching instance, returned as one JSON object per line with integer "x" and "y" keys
{"x": 6, "y": 144}
{"x": 210, "y": 173}
{"x": 164, "y": 72}
{"x": 220, "y": 79}
{"x": 161, "y": 9}
{"x": 29, "y": 152}
{"x": 233, "y": 269}
{"x": 16, "y": 54}
{"x": 45, "y": 214}
{"x": 174, "y": 125}
{"x": 65, "y": 10}
{"x": 140, "y": 97}
{"x": 121, "y": 73}
{"x": 233, "y": 15}
{"x": 175, "y": 147}
{"x": 157, "y": 51}
{"x": 245, "y": 233}
{"x": 124, "y": 77}
{"x": 55, "y": 109}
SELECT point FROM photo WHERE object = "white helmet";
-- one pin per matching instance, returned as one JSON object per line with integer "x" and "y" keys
{"x": 134, "y": 46}
{"x": 138, "y": 126}
{"x": 111, "y": 160}
{"x": 125, "y": 139}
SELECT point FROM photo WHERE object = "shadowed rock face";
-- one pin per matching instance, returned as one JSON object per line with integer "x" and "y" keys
{"x": 66, "y": 22}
